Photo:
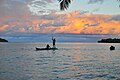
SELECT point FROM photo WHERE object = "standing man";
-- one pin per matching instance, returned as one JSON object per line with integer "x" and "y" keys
{"x": 53, "y": 39}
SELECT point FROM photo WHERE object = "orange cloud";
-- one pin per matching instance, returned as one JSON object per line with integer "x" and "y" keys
{"x": 4, "y": 27}
{"x": 74, "y": 22}
{"x": 96, "y": 24}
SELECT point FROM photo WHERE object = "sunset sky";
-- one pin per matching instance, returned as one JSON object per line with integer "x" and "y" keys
{"x": 83, "y": 17}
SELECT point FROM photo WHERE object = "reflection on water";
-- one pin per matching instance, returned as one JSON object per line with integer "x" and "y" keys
{"x": 73, "y": 61}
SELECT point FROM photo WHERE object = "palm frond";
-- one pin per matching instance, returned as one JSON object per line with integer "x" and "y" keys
{"x": 64, "y": 4}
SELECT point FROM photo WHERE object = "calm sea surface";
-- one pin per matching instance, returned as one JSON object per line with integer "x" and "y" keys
{"x": 72, "y": 61}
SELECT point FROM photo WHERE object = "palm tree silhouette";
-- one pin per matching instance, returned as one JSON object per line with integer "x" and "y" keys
{"x": 64, "y": 4}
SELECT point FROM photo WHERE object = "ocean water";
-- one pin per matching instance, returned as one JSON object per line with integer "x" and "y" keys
{"x": 72, "y": 61}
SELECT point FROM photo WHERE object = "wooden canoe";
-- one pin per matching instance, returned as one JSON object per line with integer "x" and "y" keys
{"x": 46, "y": 48}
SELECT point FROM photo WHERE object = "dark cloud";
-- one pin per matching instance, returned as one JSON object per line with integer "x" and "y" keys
{"x": 16, "y": 13}
{"x": 96, "y": 24}
{"x": 13, "y": 8}
{"x": 48, "y": 17}
{"x": 95, "y": 10}
{"x": 20, "y": 9}
{"x": 16, "y": 16}
{"x": 84, "y": 12}
{"x": 95, "y": 1}
{"x": 55, "y": 24}
{"x": 117, "y": 18}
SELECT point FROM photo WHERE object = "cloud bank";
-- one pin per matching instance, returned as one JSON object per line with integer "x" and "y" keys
{"x": 73, "y": 23}
{"x": 23, "y": 16}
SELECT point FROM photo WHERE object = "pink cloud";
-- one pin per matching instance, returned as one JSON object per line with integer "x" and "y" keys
{"x": 74, "y": 22}
{"x": 4, "y": 27}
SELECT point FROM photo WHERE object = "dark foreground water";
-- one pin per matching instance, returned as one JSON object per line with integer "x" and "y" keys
{"x": 73, "y": 61}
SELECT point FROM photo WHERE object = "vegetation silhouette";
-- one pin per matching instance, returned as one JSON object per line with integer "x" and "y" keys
{"x": 109, "y": 40}
{"x": 3, "y": 40}
{"x": 64, "y": 4}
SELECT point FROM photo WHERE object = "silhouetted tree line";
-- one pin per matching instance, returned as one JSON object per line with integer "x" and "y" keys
{"x": 3, "y": 40}
{"x": 109, "y": 40}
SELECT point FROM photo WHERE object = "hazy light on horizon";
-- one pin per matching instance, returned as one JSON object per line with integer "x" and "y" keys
{"x": 38, "y": 16}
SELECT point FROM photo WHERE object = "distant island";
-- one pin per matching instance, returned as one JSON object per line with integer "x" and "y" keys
{"x": 3, "y": 40}
{"x": 109, "y": 40}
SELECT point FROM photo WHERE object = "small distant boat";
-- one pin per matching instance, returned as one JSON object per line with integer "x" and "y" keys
{"x": 46, "y": 48}
{"x": 112, "y": 48}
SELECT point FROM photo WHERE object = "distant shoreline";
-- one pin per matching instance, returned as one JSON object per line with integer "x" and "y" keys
{"x": 3, "y": 40}
{"x": 109, "y": 40}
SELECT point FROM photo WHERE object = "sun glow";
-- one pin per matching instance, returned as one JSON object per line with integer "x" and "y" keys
{"x": 74, "y": 23}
